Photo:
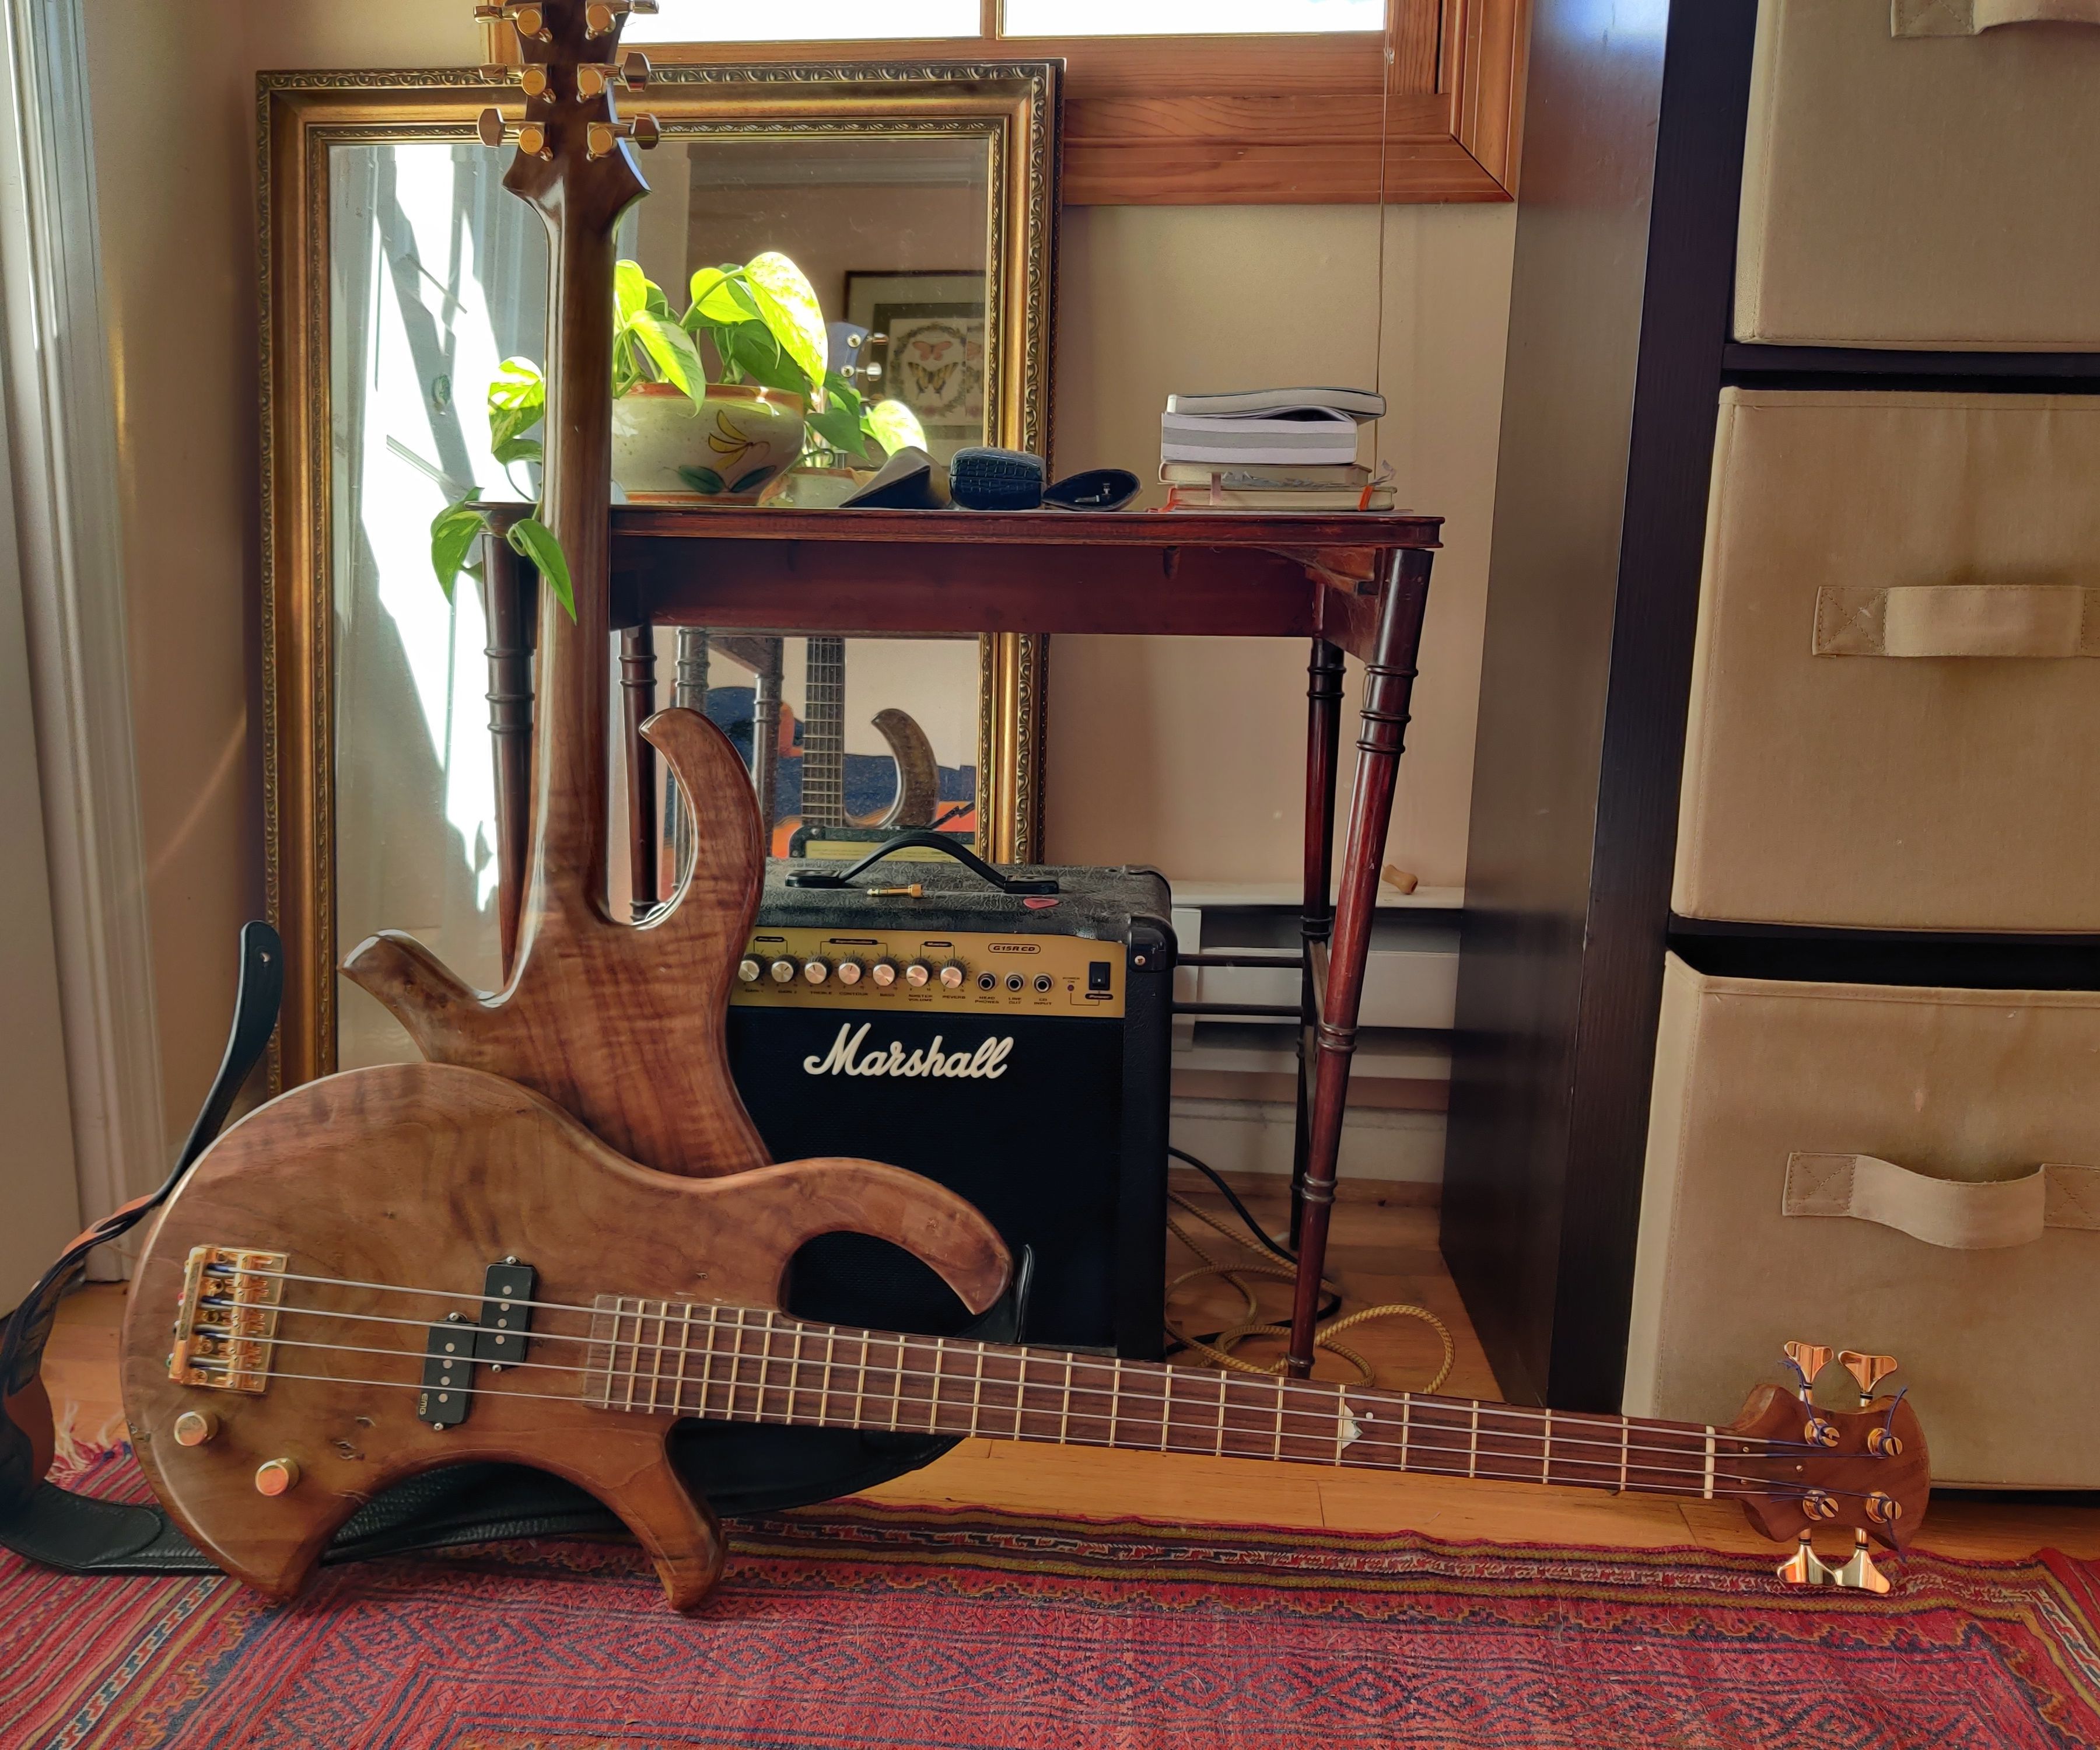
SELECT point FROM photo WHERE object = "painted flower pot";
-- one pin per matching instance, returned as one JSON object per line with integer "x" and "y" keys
{"x": 666, "y": 452}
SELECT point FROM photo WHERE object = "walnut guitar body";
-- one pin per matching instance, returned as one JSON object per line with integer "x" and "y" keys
{"x": 420, "y": 1176}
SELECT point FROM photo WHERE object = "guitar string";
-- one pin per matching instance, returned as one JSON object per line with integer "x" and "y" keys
{"x": 1324, "y": 1409}
{"x": 1780, "y": 1492}
{"x": 1506, "y": 1411}
{"x": 1694, "y": 1465}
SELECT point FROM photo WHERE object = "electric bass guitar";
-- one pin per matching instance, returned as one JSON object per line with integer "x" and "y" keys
{"x": 400, "y": 1268}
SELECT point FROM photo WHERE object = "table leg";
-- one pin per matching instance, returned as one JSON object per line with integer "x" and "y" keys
{"x": 637, "y": 693}
{"x": 510, "y": 593}
{"x": 689, "y": 692}
{"x": 1389, "y": 687}
{"x": 1316, "y": 923}
{"x": 765, "y": 737}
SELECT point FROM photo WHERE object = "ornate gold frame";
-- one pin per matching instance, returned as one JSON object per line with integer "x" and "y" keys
{"x": 300, "y": 116}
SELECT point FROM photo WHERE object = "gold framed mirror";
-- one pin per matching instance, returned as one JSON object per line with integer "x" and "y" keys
{"x": 398, "y": 275}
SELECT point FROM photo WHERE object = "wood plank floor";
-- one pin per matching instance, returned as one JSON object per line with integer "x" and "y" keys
{"x": 1382, "y": 1253}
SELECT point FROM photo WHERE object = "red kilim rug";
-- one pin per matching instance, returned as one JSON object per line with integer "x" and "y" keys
{"x": 861, "y": 1629}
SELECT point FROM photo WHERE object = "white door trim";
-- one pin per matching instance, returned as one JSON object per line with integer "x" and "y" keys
{"x": 61, "y": 430}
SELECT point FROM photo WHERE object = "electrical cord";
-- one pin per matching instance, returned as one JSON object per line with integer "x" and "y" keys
{"x": 1218, "y": 1346}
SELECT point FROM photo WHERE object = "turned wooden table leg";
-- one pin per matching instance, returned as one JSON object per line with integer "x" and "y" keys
{"x": 510, "y": 592}
{"x": 689, "y": 692}
{"x": 1388, "y": 687}
{"x": 637, "y": 693}
{"x": 765, "y": 736}
{"x": 1316, "y": 923}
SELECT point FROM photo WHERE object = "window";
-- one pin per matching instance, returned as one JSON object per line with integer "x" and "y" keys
{"x": 1196, "y": 102}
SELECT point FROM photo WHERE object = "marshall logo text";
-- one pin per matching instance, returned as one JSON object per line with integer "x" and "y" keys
{"x": 987, "y": 1063}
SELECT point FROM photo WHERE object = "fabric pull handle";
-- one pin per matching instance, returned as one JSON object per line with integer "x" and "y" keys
{"x": 1958, "y": 1214}
{"x": 1959, "y": 620}
{"x": 1971, "y": 18}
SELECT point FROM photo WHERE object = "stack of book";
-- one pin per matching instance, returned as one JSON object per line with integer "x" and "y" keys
{"x": 1270, "y": 450}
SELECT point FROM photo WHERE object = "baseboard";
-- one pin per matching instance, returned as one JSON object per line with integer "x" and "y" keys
{"x": 1382, "y": 1193}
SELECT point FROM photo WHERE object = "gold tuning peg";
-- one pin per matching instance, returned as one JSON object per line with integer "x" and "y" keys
{"x": 603, "y": 138}
{"x": 602, "y": 17}
{"x": 1810, "y": 1359}
{"x": 631, "y": 74}
{"x": 531, "y": 139}
{"x": 530, "y": 79}
{"x": 1870, "y": 1370}
{"x": 529, "y": 21}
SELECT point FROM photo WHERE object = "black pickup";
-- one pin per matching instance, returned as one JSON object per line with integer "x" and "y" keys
{"x": 499, "y": 1340}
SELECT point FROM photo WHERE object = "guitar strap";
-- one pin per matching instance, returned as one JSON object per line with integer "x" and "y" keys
{"x": 737, "y": 1468}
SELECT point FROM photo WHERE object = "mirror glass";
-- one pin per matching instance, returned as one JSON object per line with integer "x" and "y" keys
{"x": 436, "y": 275}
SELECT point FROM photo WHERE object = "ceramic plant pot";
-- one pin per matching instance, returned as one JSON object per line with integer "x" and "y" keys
{"x": 666, "y": 452}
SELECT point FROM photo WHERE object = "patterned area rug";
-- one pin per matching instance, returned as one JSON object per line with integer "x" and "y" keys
{"x": 861, "y": 1629}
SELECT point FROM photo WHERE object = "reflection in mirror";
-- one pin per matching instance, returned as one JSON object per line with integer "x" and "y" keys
{"x": 436, "y": 275}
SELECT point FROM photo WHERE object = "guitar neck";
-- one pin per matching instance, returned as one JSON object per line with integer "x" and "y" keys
{"x": 824, "y": 733}
{"x": 733, "y": 1363}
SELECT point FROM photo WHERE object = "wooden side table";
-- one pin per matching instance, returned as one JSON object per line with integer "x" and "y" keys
{"x": 1355, "y": 583}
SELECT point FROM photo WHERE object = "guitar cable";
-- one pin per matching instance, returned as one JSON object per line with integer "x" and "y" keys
{"x": 1217, "y": 1345}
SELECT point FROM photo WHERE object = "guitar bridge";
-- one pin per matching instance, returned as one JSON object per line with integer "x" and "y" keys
{"x": 227, "y": 1321}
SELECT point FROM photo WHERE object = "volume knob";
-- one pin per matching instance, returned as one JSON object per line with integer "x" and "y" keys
{"x": 918, "y": 974}
{"x": 276, "y": 1476}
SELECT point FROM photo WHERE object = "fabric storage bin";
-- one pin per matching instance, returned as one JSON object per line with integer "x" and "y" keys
{"x": 1900, "y": 1171}
{"x": 1921, "y": 174}
{"x": 1895, "y": 709}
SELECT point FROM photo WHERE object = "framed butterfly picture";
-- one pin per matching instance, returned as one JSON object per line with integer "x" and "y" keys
{"x": 934, "y": 359}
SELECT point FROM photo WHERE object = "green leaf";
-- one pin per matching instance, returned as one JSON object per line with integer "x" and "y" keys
{"x": 788, "y": 304}
{"x": 517, "y": 401}
{"x": 702, "y": 479}
{"x": 517, "y": 450}
{"x": 453, "y": 532}
{"x": 715, "y": 300}
{"x": 630, "y": 289}
{"x": 895, "y": 427}
{"x": 671, "y": 349}
{"x": 536, "y": 542}
{"x": 840, "y": 428}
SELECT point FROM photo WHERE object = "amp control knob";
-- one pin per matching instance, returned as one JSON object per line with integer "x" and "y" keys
{"x": 884, "y": 973}
{"x": 784, "y": 971}
{"x": 850, "y": 972}
{"x": 817, "y": 971}
{"x": 952, "y": 974}
{"x": 748, "y": 970}
{"x": 918, "y": 974}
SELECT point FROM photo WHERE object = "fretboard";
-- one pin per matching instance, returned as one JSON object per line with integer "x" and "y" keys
{"x": 733, "y": 1363}
{"x": 824, "y": 733}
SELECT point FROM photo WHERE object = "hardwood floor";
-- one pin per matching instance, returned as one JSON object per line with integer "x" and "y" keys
{"x": 1382, "y": 1251}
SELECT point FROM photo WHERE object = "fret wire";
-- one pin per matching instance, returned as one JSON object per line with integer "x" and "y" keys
{"x": 1342, "y": 1419}
{"x": 1064, "y": 1412}
{"x": 934, "y": 1392}
{"x": 824, "y": 1396}
{"x": 635, "y": 1366}
{"x": 1546, "y": 1453}
{"x": 1166, "y": 1409}
{"x": 1625, "y": 1436}
{"x": 708, "y": 1363}
{"x": 1020, "y": 1394}
{"x": 1224, "y": 1379}
{"x": 1473, "y": 1448}
{"x": 684, "y": 1353}
{"x": 765, "y": 1371}
{"x": 663, "y": 1342}
{"x": 976, "y": 1390}
{"x": 897, "y": 1396}
{"x": 1406, "y": 1413}
{"x": 860, "y": 1380}
{"x": 1279, "y": 1416}
{"x": 736, "y": 1365}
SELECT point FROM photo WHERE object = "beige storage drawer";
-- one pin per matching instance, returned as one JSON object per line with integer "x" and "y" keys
{"x": 1905, "y": 1172}
{"x": 1895, "y": 712}
{"x": 1907, "y": 183}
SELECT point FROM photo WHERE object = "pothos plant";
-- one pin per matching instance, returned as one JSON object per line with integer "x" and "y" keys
{"x": 765, "y": 327}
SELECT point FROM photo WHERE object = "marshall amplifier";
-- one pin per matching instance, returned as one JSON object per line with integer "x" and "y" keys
{"x": 1009, "y": 1041}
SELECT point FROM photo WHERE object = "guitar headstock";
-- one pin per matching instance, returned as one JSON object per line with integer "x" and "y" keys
{"x": 576, "y": 159}
{"x": 1865, "y": 1470}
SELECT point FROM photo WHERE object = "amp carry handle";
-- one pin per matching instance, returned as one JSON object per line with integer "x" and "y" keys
{"x": 947, "y": 843}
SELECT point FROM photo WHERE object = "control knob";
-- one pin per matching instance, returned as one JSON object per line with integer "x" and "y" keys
{"x": 816, "y": 971}
{"x": 952, "y": 973}
{"x": 849, "y": 973}
{"x": 748, "y": 970}
{"x": 918, "y": 974}
{"x": 884, "y": 973}
{"x": 784, "y": 971}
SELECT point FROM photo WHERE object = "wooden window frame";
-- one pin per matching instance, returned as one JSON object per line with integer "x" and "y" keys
{"x": 1258, "y": 120}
